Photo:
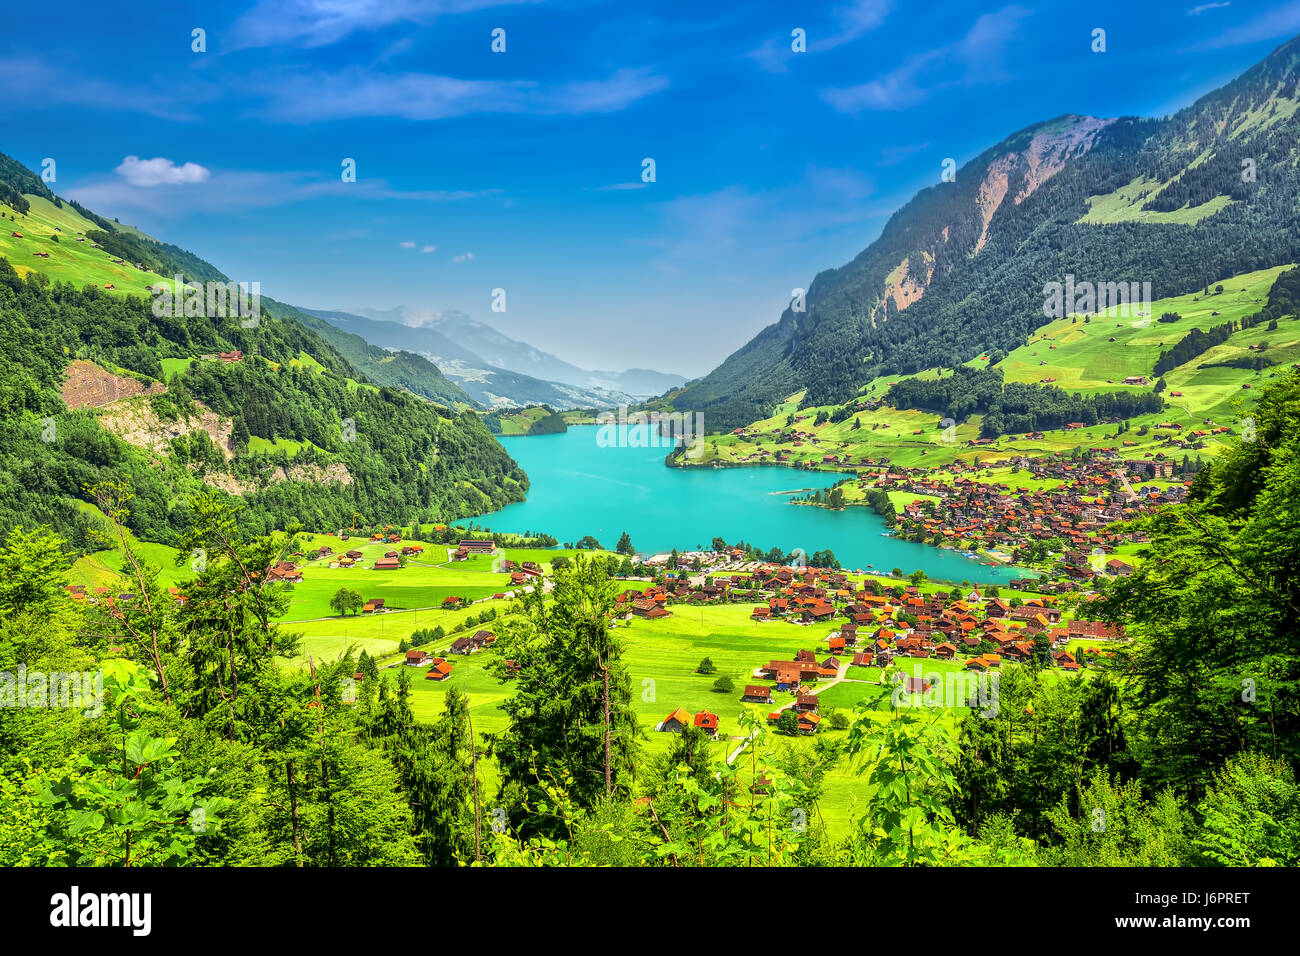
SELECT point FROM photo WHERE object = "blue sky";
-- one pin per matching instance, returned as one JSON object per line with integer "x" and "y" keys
{"x": 522, "y": 170}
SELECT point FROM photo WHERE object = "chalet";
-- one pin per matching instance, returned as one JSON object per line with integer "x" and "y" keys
{"x": 817, "y": 612}
{"x": 757, "y": 694}
{"x": 805, "y": 703}
{"x": 474, "y": 642}
{"x": 285, "y": 571}
{"x": 676, "y": 722}
{"x": 1028, "y": 612}
{"x": 787, "y": 674}
{"x": 478, "y": 546}
{"x": 1135, "y": 380}
{"x": 439, "y": 669}
{"x": 808, "y": 723}
{"x": 918, "y": 685}
{"x": 1095, "y": 630}
{"x": 387, "y": 563}
{"x": 1065, "y": 660}
{"x": 650, "y": 610}
{"x": 416, "y": 657}
{"x": 708, "y": 723}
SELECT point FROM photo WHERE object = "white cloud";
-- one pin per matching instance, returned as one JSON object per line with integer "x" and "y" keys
{"x": 316, "y": 23}
{"x": 428, "y": 248}
{"x": 1282, "y": 22}
{"x": 848, "y": 22}
{"x": 226, "y": 190}
{"x": 353, "y": 93}
{"x": 467, "y": 257}
{"x": 407, "y": 245}
{"x": 973, "y": 60}
{"x": 160, "y": 172}
{"x": 31, "y": 81}
{"x": 1202, "y": 8}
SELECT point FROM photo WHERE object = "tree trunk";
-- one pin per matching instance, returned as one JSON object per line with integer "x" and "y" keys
{"x": 293, "y": 812}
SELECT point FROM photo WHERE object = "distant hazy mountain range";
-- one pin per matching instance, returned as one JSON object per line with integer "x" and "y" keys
{"x": 493, "y": 368}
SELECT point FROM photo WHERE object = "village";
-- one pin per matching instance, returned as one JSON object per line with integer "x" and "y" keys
{"x": 872, "y": 625}
{"x": 1064, "y": 526}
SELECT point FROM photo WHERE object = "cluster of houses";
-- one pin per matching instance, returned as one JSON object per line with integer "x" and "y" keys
{"x": 1092, "y": 495}
{"x": 524, "y": 573}
{"x": 477, "y": 641}
{"x": 872, "y": 628}
{"x": 439, "y": 668}
{"x": 285, "y": 571}
{"x": 391, "y": 560}
{"x": 681, "y": 718}
{"x": 102, "y": 595}
{"x": 650, "y": 604}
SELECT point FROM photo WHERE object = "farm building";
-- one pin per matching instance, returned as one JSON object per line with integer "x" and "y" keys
{"x": 676, "y": 722}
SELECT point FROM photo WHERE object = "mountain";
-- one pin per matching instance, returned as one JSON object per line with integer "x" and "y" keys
{"x": 961, "y": 269}
{"x": 99, "y": 383}
{"x": 501, "y": 351}
{"x": 398, "y": 368}
{"x": 486, "y": 383}
{"x": 641, "y": 382}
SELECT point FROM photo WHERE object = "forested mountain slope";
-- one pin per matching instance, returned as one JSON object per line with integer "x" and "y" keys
{"x": 1179, "y": 202}
{"x": 97, "y": 384}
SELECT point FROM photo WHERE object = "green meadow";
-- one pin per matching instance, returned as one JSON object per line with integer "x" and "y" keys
{"x": 1076, "y": 355}
{"x": 662, "y": 658}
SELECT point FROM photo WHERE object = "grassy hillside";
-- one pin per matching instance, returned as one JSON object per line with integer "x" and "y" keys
{"x": 55, "y": 230}
{"x": 1086, "y": 357}
{"x": 96, "y": 386}
{"x": 538, "y": 420}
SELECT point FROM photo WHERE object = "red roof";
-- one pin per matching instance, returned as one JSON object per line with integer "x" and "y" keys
{"x": 706, "y": 720}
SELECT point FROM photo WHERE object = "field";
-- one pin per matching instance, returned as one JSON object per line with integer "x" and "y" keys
{"x": 1076, "y": 355}
{"x": 662, "y": 658}
{"x": 70, "y": 261}
{"x": 1125, "y": 205}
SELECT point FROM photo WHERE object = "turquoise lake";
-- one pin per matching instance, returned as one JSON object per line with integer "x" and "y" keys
{"x": 580, "y": 488}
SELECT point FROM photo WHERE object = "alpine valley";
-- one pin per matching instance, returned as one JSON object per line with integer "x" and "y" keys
{"x": 985, "y": 553}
